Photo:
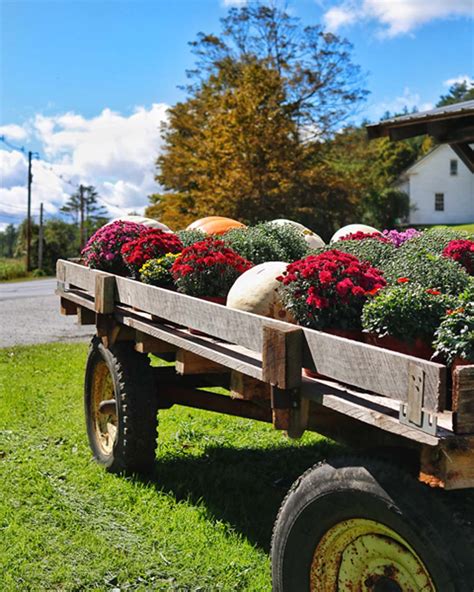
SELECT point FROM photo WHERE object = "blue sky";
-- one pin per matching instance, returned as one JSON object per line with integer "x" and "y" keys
{"x": 77, "y": 76}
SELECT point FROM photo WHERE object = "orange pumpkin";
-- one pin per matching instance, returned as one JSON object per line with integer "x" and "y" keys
{"x": 215, "y": 225}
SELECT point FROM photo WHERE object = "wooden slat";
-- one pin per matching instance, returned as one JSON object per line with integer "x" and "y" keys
{"x": 373, "y": 368}
{"x": 360, "y": 406}
{"x": 368, "y": 367}
{"x": 78, "y": 298}
{"x": 231, "y": 356}
{"x": 77, "y": 275}
{"x": 463, "y": 399}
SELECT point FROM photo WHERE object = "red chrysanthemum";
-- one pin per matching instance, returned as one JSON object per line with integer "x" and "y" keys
{"x": 462, "y": 251}
{"x": 152, "y": 244}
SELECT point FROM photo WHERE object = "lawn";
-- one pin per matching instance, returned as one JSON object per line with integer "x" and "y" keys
{"x": 202, "y": 521}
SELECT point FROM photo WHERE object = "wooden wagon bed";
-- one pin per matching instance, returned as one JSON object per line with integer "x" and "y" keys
{"x": 369, "y": 397}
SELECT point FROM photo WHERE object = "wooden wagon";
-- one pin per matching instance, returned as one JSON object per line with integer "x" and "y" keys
{"x": 363, "y": 522}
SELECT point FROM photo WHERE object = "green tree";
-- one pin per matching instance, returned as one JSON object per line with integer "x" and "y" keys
{"x": 458, "y": 92}
{"x": 262, "y": 97}
{"x": 8, "y": 239}
{"x": 95, "y": 215}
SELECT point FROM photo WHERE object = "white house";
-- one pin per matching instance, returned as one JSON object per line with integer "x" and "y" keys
{"x": 441, "y": 189}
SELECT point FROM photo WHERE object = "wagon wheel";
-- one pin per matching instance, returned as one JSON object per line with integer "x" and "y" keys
{"x": 120, "y": 407}
{"x": 366, "y": 526}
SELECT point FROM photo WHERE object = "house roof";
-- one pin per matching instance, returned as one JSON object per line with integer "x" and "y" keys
{"x": 453, "y": 125}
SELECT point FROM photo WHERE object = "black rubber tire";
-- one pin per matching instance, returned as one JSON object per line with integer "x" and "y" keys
{"x": 349, "y": 488}
{"x": 136, "y": 408}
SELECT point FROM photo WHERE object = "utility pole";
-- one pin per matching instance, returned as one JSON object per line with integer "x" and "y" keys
{"x": 28, "y": 216}
{"x": 40, "y": 239}
{"x": 81, "y": 223}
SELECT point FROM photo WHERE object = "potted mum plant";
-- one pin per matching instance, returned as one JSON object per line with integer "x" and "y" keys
{"x": 102, "y": 250}
{"x": 151, "y": 244}
{"x": 207, "y": 269}
{"x": 327, "y": 291}
{"x": 454, "y": 338}
{"x": 405, "y": 317}
{"x": 462, "y": 251}
{"x": 157, "y": 272}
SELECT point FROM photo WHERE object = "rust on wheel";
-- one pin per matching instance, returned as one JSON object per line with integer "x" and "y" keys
{"x": 361, "y": 555}
{"x": 104, "y": 408}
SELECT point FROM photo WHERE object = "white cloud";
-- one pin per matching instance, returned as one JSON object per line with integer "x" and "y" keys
{"x": 13, "y": 132}
{"x": 397, "y": 17}
{"x": 409, "y": 100}
{"x": 459, "y": 80}
{"x": 114, "y": 152}
{"x": 237, "y": 3}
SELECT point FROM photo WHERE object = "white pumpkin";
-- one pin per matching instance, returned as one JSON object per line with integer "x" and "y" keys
{"x": 351, "y": 229}
{"x": 256, "y": 291}
{"x": 150, "y": 222}
{"x": 313, "y": 240}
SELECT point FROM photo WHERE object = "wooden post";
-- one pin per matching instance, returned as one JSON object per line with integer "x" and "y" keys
{"x": 282, "y": 365}
{"x": 85, "y": 316}
{"x": 248, "y": 388}
{"x": 147, "y": 344}
{"x": 104, "y": 293}
{"x": 67, "y": 307}
{"x": 463, "y": 399}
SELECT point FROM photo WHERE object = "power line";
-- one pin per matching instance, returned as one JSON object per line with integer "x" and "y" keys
{"x": 12, "y": 146}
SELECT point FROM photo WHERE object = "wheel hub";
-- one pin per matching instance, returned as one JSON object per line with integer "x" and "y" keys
{"x": 104, "y": 410}
{"x": 360, "y": 555}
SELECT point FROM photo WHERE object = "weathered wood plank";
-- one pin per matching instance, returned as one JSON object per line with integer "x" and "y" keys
{"x": 85, "y": 316}
{"x": 373, "y": 368}
{"x": 248, "y": 388}
{"x": 146, "y": 344}
{"x": 367, "y": 367}
{"x": 463, "y": 400}
{"x": 67, "y": 307}
{"x": 189, "y": 363}
{"x": 451, "y": 462}
{"x": 77, "y": 275}
{"x": 360, "y": 407}
{"x": 104, "y": 293}
{"x": 282, "y": 355}
{"x": 229, "y": 355}
{"x": 77, "y": 298}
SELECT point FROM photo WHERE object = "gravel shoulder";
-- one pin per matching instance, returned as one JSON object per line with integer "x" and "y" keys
{"x": 29, "y": 314}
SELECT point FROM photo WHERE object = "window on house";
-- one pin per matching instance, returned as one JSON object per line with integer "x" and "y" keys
{"x": 439, "y": 202}
{"x": 453, "y": 167}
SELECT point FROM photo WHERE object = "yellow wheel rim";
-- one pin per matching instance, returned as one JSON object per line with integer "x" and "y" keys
{"x": 105, "y": 423}
{"x": 360, "y": 555}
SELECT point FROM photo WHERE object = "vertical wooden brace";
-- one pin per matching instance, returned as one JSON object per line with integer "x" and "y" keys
{"x": 104, "y": 293}
{"x": 282, "y": 365}
{"x": 463, "y": 400}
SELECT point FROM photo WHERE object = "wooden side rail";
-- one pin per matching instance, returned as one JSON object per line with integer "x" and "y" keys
{"x": 367, "y": 367}
{"x": 463, "y": 399}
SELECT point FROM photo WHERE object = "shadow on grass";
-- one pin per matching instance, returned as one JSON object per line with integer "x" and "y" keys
{"x": 242, "y": 487}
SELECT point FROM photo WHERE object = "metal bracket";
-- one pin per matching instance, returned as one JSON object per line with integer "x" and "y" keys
{"x": 411, "y": 413}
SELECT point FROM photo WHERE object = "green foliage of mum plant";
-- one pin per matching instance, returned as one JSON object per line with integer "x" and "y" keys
{"x": 268, "y": 242}
{"x": 407, "y": 312}
{"x": 454, "y": 338}
{"x": 427, "y": 270}
{"x": 375, "y": 252}
{"x": 433, "y": 240}
{"x": 189, "y": 237}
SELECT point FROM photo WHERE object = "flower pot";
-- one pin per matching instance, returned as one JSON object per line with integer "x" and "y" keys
{"x": 217, "y": 300}
{"x": 417, "y": 348}
{"x": 353, "y": 334}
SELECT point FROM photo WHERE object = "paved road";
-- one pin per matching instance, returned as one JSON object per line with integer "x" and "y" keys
{"x": 29, "y": 313}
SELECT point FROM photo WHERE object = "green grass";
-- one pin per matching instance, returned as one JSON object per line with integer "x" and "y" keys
{"x": 466, "y": 227}
{"x": 11, "y": 269}
{"x": 202, "y": 522}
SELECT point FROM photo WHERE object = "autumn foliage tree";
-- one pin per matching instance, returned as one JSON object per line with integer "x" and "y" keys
{"x": 248, "y": 141}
